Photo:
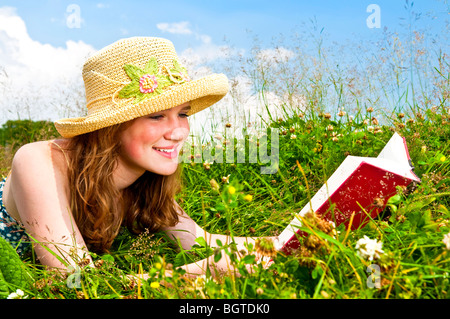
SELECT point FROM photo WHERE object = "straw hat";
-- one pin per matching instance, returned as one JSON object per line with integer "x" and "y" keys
{"x": 135, "y": 77}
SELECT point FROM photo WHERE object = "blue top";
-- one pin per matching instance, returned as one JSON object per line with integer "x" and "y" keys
{"x": 11, "y": 230}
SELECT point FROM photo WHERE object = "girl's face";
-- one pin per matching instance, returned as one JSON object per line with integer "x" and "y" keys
{"x": 151, "y": 143}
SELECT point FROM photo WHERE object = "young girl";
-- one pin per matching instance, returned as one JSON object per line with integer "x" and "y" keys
{"x": 115, "y": 167}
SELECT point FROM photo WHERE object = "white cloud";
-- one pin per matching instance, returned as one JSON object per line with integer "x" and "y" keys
{"x": 184, "y": 28}
{"x": 206, "y": 39}
{"x": 195, "y": 57}
{"x": 38, "y": 81}
{"x": 102, "y": 5}
{"x": 175, "y": 28}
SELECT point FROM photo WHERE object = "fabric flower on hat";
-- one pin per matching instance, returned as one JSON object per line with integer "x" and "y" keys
{"x": 148, "y": 83}
{"x": 145, "y": 83}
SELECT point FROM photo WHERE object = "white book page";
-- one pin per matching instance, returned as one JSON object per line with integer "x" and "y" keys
{"x": 395, "y": 150}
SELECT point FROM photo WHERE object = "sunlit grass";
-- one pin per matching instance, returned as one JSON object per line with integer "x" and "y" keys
{"x": 243, "y": 202}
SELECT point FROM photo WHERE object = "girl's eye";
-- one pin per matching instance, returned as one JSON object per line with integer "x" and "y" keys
{"x": 158, "y": 117}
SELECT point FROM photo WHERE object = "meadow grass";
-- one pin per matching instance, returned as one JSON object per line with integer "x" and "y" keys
{"x": 415, "y": 262}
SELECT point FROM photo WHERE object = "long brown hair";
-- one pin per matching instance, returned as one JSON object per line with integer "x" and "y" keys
{"x": 100, "y": 209}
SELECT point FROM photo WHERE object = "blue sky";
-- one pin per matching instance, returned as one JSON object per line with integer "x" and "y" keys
{"x": 42, "y": 46}
{"x": 105, "y": 21}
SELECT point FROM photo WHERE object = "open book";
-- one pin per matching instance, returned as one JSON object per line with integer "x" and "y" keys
{"x": 360, "y": 185}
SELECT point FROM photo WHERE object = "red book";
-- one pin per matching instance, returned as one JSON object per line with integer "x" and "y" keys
{"x": 360, "y": 185}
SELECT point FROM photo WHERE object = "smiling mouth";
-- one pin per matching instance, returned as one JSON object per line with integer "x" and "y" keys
{"x": 167, "y": 152}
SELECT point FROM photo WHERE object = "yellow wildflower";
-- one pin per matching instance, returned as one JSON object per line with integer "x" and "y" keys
{"x": 154, "y": 285}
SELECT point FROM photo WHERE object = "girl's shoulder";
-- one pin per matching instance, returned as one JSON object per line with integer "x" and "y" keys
{"x": 38, "y": 172}
{"x": 40, "y": 156}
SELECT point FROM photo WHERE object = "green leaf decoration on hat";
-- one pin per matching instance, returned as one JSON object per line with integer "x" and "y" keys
{"x": 178, "y": 73}
{"x": 144, "y": 83}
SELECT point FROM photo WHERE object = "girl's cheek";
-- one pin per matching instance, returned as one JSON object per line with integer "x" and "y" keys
{"x": 133, "y": 150}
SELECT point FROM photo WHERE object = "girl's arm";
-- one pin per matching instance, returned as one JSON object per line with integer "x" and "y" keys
{"x": 187, "y": 231}
{"x": 38, "y": 194}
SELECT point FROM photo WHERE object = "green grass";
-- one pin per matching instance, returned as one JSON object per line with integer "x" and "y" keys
{"x": 415, "y": 263}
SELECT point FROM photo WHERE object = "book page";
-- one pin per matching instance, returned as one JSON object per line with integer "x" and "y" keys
{"x": 395, "y": 150}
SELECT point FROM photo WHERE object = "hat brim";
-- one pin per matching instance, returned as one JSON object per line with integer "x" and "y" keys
{"x": 201, "y": 93}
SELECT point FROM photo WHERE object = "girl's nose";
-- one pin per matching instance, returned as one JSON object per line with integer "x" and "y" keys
{"x": 177, "y": 134}
{"x": 177, "y": 130}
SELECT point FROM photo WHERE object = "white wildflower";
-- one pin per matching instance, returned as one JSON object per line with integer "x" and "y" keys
{"x": 446, "y": 241}
{"x": 293, "y": 137}
{"x": 334, "y": 232}
{"x": 199, "y": 282}
{"x": 226, "y": 179}
{"x": 19, "y": 294}
{"x": 369, "y": 248}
